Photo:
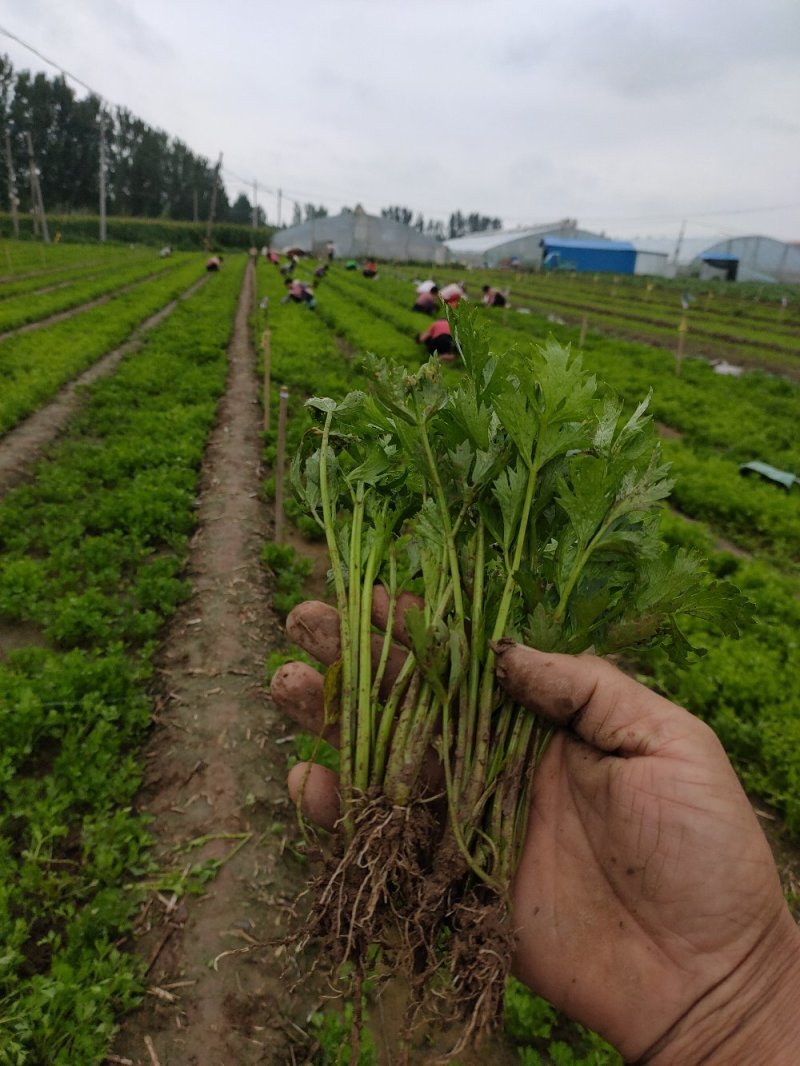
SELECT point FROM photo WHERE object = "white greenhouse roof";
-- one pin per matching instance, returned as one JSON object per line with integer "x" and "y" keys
{"x": 475, "y": 243}
{"x": 690, "y": 248}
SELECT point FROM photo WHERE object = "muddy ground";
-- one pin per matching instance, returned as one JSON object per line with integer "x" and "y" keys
{"x": 215, "y": 782}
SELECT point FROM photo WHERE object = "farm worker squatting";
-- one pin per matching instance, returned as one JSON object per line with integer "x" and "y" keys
{"x": 493, "y": 297}
{"x": 426, "y": 302}
{"x": 453, "y": 294}
{"x": 299, "y": 292}
{"x": 438, "y": 339}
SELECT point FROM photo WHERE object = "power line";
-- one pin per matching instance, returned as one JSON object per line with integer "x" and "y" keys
{"x": 519, "y": 220}
{"x": 52, "y": 63}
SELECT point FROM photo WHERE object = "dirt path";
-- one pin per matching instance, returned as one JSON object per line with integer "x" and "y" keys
{"x": 215, "y": 782}
{"x": 23, "y": 444}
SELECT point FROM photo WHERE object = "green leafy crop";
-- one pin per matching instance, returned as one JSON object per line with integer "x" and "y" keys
{"x": 519, "y": 502}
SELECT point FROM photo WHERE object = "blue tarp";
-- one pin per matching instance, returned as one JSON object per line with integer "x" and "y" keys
{"x": 618, "y": 257}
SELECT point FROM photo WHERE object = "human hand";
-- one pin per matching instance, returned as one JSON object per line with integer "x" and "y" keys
{"x": 646, "y": 900}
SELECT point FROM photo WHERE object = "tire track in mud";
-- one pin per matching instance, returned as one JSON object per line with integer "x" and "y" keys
{"x": 21, "y": 446}
{"x": 214, "y": 783}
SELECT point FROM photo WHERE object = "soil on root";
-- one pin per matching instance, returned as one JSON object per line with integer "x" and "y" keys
{"x": 366, "y": 893}
{"x": 396, "y": 902}
{"x": 214, "y": 785}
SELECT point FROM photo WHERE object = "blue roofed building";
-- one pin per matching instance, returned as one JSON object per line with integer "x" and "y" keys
{"x": 599, "y": 255}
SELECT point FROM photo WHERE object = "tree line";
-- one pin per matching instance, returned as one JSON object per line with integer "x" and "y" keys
{"x": 458, "y": 224}
{"x": 148, "y": 173}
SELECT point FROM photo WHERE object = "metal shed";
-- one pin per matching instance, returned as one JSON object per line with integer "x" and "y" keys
{"x": 652, "y": 264}
{"x": 614, "y": 257}
{"x": 355, "y": 234}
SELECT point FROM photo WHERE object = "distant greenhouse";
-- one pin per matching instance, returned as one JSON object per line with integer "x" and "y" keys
{"x": 750, "y": 259}
{"x": 355, "y": 235}
{"x": 511, "y": 247}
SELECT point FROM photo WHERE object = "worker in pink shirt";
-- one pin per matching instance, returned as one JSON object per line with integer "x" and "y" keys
{"x": 452, "y": 294}
{"x": 438, "y": 339}
{"x": 427, "y": 302}
{"x": 493, "y": 297}
{"x": 299, "y": 292}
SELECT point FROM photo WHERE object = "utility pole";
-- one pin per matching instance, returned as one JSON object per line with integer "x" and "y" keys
{"x": 680, "y": 242}
{"x": 13, "y": 199}
{"x": 279, "y": 208}
{"x": 32, "y": 182}
{"x": 102, "y": 175}
{"x": 213, "y": 205}
{"x": 255, "y": 206}
{"x": 195, "y": 211}
{"x": 37, "y": 203}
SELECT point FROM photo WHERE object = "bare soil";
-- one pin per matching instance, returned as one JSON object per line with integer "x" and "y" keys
{"x": 215, "y": 782}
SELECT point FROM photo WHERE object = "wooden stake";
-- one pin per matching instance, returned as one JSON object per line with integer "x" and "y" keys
{"x": 280, "y": 463}
{"x": 266, "y": 349}
{"x": 683, "y": 329}
{"x": 37, "y": 203}
{"x": 584, "y": 327}
{"x": 102, "y": 177}
{"x": 213, "y": 206}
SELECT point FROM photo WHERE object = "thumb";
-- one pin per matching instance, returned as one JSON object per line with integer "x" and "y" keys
{"x": 593, "y": 699}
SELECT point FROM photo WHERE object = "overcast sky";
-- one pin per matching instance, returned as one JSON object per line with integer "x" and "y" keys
{"x": 629, "y": 117}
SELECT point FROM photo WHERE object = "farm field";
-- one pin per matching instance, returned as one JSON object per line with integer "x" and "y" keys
{"x": 149, "y": 857}
{"x": 744, "y": 324}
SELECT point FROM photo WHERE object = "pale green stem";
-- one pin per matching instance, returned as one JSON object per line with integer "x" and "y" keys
{"x": 329, "y": 514}
{"x": 387, "y": 636}
{"x": 467, "y": 719}
{"x": 354, "y": 607}
{"x": 441, "y": 502}
{"x": 483, "y": 732}
{"x": 366, "y": 723}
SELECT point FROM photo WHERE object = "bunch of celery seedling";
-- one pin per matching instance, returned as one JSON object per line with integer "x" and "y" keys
{"x": 516, "y": 500}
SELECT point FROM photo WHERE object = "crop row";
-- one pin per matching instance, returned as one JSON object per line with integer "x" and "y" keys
{"x": 35, "y": 365}
{"x": 110, "y": 258}
{"x": 717, "y": 328}
{"x": 21, "y": 310}
{"x": 729, "y": 687}
{"x": 750, "y": 412}
{"x": 725, "y": 421}
{"x": 710, "y": 312}
{"x": 91, "y": 557}
{"x": 744, "y": 304}
{"x": 26, "y": 258}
